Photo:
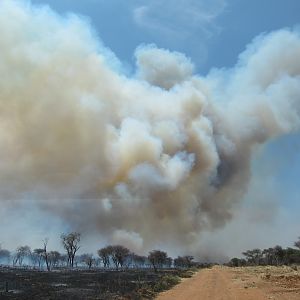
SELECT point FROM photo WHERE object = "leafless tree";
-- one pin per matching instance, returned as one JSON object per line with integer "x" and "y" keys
{"x": 46, "y": 254}
{"x": 71, "y": 244}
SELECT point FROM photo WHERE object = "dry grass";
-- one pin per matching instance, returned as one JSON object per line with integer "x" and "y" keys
{"x": 287, "y": 277}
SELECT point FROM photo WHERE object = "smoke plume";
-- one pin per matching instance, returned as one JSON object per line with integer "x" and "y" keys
{"x": 159, "y": 156}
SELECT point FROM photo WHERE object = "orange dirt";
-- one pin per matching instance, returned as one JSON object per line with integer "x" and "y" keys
{"x": 223, "y": 283}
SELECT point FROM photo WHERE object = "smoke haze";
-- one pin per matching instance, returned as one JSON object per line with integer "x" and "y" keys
{"x": 160, "y": 157}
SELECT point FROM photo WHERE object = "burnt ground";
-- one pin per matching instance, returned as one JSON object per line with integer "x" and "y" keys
{"x": 81, "y": 284}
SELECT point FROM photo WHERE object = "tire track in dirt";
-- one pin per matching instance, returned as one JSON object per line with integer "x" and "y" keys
{"x": 212, "y": 284}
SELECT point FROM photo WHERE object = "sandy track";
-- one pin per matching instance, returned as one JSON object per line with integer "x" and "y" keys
{"x": 221, "y": 283}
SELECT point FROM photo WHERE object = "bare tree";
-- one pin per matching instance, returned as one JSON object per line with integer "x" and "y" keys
{"x": 46, "y": 255}
{"x": 71, "y": 244}
{"x": 157, "y": 258}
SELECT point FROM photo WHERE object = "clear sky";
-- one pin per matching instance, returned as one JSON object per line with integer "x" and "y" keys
{"x": 212, "y": 33}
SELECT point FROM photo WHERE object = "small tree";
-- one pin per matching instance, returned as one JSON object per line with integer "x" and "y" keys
{"x": 183, "y": 261}
{"x": 169, "y": 262}
{"x": 38, "y": 256}
{"x": 71, "y": 244}
{"x": 157, "y": 258}
{"x": 138, "y": 260}
{"x": 87, "y": 259}
{"x": 278, "y": 254}
{"x": 237, "y": 262}
{"x": 104, "y": 254}
{"x": 63, "y": 260}
{"x": 268, "y": 255}
{"x": 119, "y": 254}
{"x": 54, "y": 258}
{"x": 21, "y": 253}
{"x": 253, "y": 256}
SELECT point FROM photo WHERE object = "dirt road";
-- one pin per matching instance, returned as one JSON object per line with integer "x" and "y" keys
{"x": 222, "y": 283}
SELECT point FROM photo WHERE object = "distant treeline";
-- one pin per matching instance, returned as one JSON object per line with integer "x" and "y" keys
{"x": 109, "y": 257}
{"x": 275, "y": 256}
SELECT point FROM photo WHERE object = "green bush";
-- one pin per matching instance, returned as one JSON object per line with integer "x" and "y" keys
{"x": 166, "y": 282}
{"x": 187, "y": 273}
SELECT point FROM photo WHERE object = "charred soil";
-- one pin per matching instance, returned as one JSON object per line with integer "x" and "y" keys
{"x": 86, "y": 284}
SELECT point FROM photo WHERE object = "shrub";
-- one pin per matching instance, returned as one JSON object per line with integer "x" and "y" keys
{"x": 166, "y": 282}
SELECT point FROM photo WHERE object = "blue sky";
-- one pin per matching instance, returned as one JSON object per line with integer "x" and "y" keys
{"x": 212, "y": 33}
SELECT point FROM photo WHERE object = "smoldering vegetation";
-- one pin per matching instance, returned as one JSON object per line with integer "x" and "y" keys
{"x": 134, "y": 155}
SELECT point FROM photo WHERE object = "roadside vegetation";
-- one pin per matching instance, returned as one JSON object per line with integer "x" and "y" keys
{"x": 274, "y": 256}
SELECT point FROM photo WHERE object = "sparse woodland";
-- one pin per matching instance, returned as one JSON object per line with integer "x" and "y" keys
{"x": 114, "y": 272}
{"x": 274, "y": 256}
{"x": 116, "y": 257}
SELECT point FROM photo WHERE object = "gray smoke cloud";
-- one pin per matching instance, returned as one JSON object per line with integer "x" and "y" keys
{"x": 158, "y": 157}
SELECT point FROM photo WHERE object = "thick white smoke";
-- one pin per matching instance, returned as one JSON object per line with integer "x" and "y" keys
{"x": 160, "y": 156}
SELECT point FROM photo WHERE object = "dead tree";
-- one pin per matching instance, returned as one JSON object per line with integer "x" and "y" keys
{"x": 46, "y": 254}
